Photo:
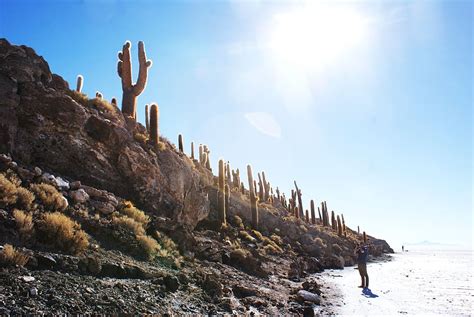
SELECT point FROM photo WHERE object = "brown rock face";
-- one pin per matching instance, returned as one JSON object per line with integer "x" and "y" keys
{"x": 41, "y": 124}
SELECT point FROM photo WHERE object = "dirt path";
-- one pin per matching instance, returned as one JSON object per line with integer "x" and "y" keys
{"x": 420, "y": 282}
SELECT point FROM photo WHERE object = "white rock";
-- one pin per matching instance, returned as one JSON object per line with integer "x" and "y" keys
{"x": 27, "y": 278}
{"x": 308, "y": 296}
{"x": 79, "y": 196}
{"x": 61, "y": 183}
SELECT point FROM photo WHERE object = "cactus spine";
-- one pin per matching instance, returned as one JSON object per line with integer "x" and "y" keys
{"x": 79, "y": 83}
{"x": 124, "y": 69}
{"x": 154, "y": 117}
{"x": 147, "y": 119}
{"x": 180, "y": 143}
{"x": 313, "y": 213}
{"x": 221, "y": 193}
{"x": 253, "y": 197}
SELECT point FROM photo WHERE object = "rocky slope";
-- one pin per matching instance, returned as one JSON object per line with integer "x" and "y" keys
{"x": 97, "y": 160}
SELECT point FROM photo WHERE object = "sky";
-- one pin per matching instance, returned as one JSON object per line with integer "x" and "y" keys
{"x": 366, "y": 104}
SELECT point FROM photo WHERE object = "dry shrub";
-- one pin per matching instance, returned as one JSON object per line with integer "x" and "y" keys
{"x": 168, "y": 249}
{"x": 320, "y": 243}
{"x": 24, "y": 223}
{"x": 49, "y": 195}
{"x": 64, "y": 233}
{"x": 7, "y": 191}
{"x": 258, "y": 235}
{"x": 78, "y": 97}
{"x": 272, "y": 249}
{"x": 136, "y": 214}
{"x": 129, "y": 224}
{"x": 246, "y": 236}
{"x": 140, "y": 138}
{"x": 238, "y": 221}
{"x": 11, "y": 257}
{"x": 277, "y": 239}
{"x": 25, "y": 198}
{"x": 101, "y": 104}
{"x": 149, "y": 245}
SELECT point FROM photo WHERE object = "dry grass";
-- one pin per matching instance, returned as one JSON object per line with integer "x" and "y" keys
{"x": 246, "y": 236}
{"x": 129, "y": 224}
{"x": 11, "y": 192}
{"x": 140, "y": 138}
{"x": 136, "y": 214}
{"x": 11, "y": 257}
{"x": 78, "y": 97}
{"x": 238, "y": 221}
{"x": 7, "y": 191}
{"x": 24, "y": 223}
{"x": 49, "y": 195}
{"x": 272, "y": 249}
{"x": 101, "y": 104}
{"x": 320, "y": 243}
{"x": 277, "y": 239}
{"x": 258, "y": 235}
{"x": 61, "y": 231}
{"x": 149, "y": 245}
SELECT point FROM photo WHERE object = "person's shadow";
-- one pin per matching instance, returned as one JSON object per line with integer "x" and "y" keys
{"x": 368, "y": 293}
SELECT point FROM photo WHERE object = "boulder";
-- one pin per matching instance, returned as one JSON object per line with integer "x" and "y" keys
{"x": 306, "y": 296}
{"x": 79, "y": 196}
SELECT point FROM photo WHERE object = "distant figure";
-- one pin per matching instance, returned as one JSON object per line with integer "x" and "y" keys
{"x": 362, "y": 252}
{"x": 403, "y": 248}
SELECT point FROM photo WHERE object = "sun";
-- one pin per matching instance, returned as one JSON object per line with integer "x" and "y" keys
{"x": 315, "y": 35}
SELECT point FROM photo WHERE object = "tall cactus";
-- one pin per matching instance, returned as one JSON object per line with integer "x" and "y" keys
{"x": 180, "y": 143}
{"x": 339, "y": 226}
{"x": 221, "y": 193}
{"x": 253, "y": 197}
{"x": 333, "y": 221}
{"x": 300, "y": 201}
{"x": 113, "y": 101}
{"x": 365, "y": 237}
{"x": 124, "y": 69}
{"x": 80, "y": 81}
{"x": 227, "y": 174}
{"x": 201, "y": 151}
{"x": 266, "y": 187}
{"x": 147, "y": 119}
{"x": 192, "y": 151}
{"x": 260, "y": 188}
{"x": 154, "y": 117}
{"x": 313, "y": 213}
{"x": 227, "y": 198}
{"x": 320, "y": 218}
{"x": 307, "y": 216}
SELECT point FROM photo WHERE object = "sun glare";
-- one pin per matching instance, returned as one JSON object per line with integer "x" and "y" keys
{"x": 313, "y": 36}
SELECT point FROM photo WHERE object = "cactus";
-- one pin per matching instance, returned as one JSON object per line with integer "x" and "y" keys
{"x": 200, "y": 154}
{"x": 313, "y": 213}
{"x": 180, "y": 143}
{"x": 253, "y": 197}
{"x": 365, "y": 237}
{"x": 154, "y": 132}
{"x": 307, "y": 216}
{"x": 339, "y": 226}
{"x": 344, "y": 225}
{"x": 113, "y": 101}
{"x": 260, "y": 187}
{"x": 124, "y": 69}
{"x": 242, "y": 188}
{"x": 333, "y": 221}
{"x": 227, "y": 198}
{"x": 192, "y": 151}
{"x": 266, "y": 186}
{"x": 147, "y": 119}
{"x": 98, "y": 95}
{"x": 227, "y": 174}
{"x": 221, "y": 193}
{"x": 204, "y": 159}
{"x": 319, "y": 213}
{"x": 300, "y": 202}
{"x": 79, "y": 83}
{"x": 236, "y": 179}
{"x": 296, "y": 212}
{"x": 358, "y": 230}
{"x": 208, "y": 155}
{"x": 278, "y": 192}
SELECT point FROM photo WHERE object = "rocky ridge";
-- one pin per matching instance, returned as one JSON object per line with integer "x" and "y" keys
{"x": 92, "y": 156}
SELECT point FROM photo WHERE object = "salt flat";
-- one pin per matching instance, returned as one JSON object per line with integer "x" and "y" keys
{"x": 423, "y": 282}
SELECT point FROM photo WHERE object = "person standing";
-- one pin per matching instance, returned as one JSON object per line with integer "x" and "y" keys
{"x": 362, "y": 253}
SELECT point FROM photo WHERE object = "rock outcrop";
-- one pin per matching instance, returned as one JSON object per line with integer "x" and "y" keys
{"x": 41, "y": 124}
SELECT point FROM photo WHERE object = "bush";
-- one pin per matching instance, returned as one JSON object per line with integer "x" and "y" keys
{"x": 49, "y": 195}
{"x": 277, "y": 239}
{"x": 272, "y": 249}
{"x": 129, "y": 224}
{"x": 140, "y": 138}
{"x": 320, "y": 243}
{"x": 24, "y": 223}
{"x": 246, "y": 236}
{"x": 11, "y": 257}
{"x": 78, "y": 97}
{"x": 25, "y": 198}
{"x": 101, "y": 104}
{"x": 61, "y": 231}
{"x": 238, "y": 222}
{"x": 136, "y": 214}
{"x": 258, "y": 235}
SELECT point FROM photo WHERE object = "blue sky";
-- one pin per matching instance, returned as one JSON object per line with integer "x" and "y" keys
{"x": 367, "y": 105}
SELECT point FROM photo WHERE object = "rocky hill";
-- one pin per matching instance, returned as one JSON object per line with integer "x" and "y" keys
{"x": 97, "y": 218}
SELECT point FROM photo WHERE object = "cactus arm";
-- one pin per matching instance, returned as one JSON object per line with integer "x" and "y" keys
{"x": 144, "y": 64}
{"x": 124, "y": 67}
